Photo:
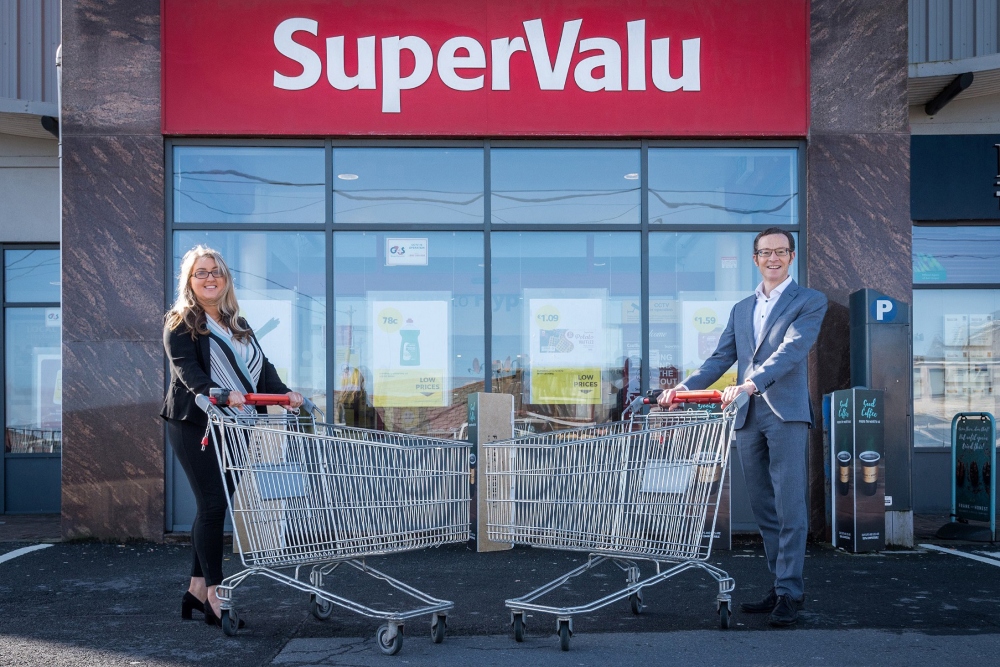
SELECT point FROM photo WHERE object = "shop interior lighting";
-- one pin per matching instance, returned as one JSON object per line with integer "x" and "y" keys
{"x": 632, "y": 177}
{"x": 347, "y": 177}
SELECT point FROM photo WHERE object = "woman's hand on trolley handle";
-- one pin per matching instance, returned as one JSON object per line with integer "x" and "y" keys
{"x": 295, "y": 399}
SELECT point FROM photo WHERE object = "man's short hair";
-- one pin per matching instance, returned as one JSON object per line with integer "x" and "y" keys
{"x": 774, "y": 230}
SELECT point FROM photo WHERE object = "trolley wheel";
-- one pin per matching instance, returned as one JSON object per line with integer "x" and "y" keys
{"x": 518, "y": 627}
{"x": 724, "y": 614}
{"x": 438, "y": 625}
{"x": 564, "y": 634}
{"x": 230, "y": 622}
{"x": 320, "y": 608}
{"x": 384, "y": 644}
{"x": 635, "y": 601}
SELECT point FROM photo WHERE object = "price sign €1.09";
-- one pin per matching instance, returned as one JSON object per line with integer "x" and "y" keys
{"x": 547, "y": 317}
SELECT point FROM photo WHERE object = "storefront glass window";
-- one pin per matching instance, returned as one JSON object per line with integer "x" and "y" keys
{"x": 407, "y": 185}
{"x": 565, "y": 185}
{"x": 228, "y": 184}
{"x": 955, "y": 352}
{"x": 280, "y": 281}
{"x": 956, "y": 255}
{"x": 31, "y": 275}
{"x": 695, "y": 279}
{"x": 566, "y": 325}
{"x": 408, "y": 330}
{"x": 744, "y": 186}
{"x": 33, "y": 368}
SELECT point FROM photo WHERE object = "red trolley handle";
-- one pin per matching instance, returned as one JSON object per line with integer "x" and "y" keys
{"x": 701, "y": 396}
{"x": 217, "y": 396}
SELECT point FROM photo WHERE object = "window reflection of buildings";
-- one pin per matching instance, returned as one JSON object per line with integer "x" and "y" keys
{"x": 952, "y": 379}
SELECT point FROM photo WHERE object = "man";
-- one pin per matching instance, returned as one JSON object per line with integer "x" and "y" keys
{"x": 769, "y": 335}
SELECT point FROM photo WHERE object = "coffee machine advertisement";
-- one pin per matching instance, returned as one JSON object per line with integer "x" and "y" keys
{"x": 869, "y": 470}
{"x": 842, "y": 465}
{"x": 857, "y": 466}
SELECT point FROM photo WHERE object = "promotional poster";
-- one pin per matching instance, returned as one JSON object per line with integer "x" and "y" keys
{"x": 858, "y": 468}
{"x": 410, "y": 355}
{"x": 974, "y": 456}
{"x": 567, "y": 348}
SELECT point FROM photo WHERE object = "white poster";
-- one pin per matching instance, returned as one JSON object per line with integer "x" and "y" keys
{"x": 956, "y": 329}
{"x": 702, "y": 323}
{"x": 410, "y": 351}
{"x": 566, "y": 339}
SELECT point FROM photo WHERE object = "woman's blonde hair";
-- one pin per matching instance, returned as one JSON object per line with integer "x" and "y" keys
{"x": 186, "y": 309}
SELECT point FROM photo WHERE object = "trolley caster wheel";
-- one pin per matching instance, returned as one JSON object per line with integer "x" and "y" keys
{"x": 438, "y": 625}
{"x": 320, "y": 608}
{"x": 230, "y": 622}
{"x": 386, "y": 645}
{"x": 518, "y": 623}
{"x": 564, "y": 635}
{"x": 724, "y": 614}
{"x": 635, "y": 601}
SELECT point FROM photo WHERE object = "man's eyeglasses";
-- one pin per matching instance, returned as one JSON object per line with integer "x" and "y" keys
{"x": 202, "y": 274}
{"x": 764, "y": 253}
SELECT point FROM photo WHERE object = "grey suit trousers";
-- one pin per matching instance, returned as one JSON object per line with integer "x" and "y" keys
{"x": 773, "y": 456}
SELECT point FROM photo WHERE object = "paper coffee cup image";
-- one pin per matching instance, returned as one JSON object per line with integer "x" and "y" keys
{"x": 843, "y": 472}
{"x": 869, "y": 471}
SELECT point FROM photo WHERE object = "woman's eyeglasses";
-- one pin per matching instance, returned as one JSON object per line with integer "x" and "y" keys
{"x": 202, "y": 274}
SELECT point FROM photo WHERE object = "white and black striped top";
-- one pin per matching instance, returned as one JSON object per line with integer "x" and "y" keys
{"x": 235, "y": 365}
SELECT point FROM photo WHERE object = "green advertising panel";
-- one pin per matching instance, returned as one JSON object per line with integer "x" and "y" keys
{"x": 973, "y": 450}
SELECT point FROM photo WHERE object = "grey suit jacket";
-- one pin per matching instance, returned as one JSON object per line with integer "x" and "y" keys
{"x": 778, "y": 366}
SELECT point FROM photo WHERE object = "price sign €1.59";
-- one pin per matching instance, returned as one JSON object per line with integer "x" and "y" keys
{"x": 705, "y": 320}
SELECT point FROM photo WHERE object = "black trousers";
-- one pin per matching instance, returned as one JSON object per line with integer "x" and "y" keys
{"x": 210, "y": 494}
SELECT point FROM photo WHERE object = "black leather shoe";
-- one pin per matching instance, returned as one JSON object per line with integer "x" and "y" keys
{"x": 785, "y": 613}
{"x": 190, "y": 603}
{"x": 767, "y": 605}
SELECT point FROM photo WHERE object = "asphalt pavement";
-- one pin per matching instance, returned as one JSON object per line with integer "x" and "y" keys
{"x": 91, "y": 603}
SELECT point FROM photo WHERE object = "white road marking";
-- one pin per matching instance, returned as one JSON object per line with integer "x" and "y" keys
{"x": 11, "y": 555}
{"x": 989, "y": 554}
{"x": 955, "y": 552}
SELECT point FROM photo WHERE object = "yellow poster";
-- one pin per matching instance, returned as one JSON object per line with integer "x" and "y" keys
{"x": 566, "y": 386}
{"x": 397, "y": 388}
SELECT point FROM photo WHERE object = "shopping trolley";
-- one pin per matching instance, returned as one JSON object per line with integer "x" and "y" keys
{"x": 624, "y": 496}
{"x": 310, "y": 497}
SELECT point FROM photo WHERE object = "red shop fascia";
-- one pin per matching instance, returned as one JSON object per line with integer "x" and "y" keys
{"x": 486, "y": 68}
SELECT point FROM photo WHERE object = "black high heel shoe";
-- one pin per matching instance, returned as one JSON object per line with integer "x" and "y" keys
{"x": 190, "y": 603}
{"x": 212, "y": 619}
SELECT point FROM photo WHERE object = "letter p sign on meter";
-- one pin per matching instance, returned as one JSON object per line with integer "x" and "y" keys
{"x": 884, "y": 310}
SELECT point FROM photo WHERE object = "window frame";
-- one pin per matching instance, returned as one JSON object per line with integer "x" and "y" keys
{"x": 4, "y": 247}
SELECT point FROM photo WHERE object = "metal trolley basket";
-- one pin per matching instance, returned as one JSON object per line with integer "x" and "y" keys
{"x": 625, "y": 495}
{"x": 310, "y": 497}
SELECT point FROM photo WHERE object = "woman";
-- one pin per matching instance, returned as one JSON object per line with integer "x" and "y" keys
{"x": 209, "y": 345}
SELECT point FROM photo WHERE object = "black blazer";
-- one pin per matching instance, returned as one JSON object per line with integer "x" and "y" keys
{"x": 190, "y": 374}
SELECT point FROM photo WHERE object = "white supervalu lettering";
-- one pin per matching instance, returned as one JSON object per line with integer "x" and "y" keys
{"x": 335, "y": 74}
{"x": 636, "y": 55}
{"x": 610, "y": 59}
{"x": 551, "y": 75}
{"x": 448, "y": 62}
{"x": 392, "y": 83}
{"x": 690, "y": 78}
{"x": 312, "y": 67}
{"x": 503, "y": 49}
